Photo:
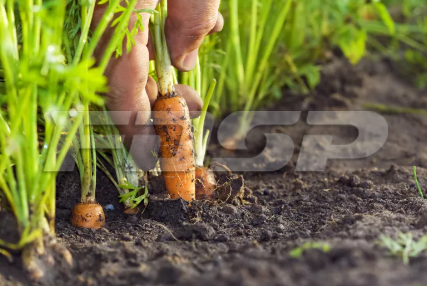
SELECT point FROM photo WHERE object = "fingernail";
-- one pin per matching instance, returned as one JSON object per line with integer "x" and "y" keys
{"x": 190, "y": 60}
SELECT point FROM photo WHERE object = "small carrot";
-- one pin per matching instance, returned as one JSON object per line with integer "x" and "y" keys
{"x": 88, "y": 215}
{"x": 205, "y": 183}
{"x": 172, "y": 119}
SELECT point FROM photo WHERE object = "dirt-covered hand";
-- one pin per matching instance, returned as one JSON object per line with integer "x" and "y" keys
{"x": 132, "y": 91}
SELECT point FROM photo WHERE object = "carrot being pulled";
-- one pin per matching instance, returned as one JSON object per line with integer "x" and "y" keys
{"x": 172, "y": 120}
{"x": 173, "y": 125}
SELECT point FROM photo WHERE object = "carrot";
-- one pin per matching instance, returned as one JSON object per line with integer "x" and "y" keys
{"x": 172, "y": 119}
{"x": 88, "y": 215}
{"x": 205, "y": 183}
{"x": 172, "y": 123}
{"x": 132, "y": 211}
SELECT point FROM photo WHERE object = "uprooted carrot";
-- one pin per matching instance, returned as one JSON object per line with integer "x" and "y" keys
{"x": 172, "y": 120}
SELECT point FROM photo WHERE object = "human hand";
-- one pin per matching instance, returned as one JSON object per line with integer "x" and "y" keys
{"x": 132, "y": 90}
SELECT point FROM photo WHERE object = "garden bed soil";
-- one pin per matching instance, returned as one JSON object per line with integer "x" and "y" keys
{"x": 348, "y": 206}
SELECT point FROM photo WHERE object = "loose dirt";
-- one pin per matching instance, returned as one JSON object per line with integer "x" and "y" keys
{"x": 348, "y": 206}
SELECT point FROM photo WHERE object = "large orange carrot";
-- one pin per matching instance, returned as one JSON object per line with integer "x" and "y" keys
{"x": 172, "y": 119}
{"x": 173, "y": 125}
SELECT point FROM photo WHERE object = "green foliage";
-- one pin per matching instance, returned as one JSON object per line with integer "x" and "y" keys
{"x": 132, "y": 196}
{"x": 46, "y": 69}
{"x": 416, "y": 182}
{"x": 352, "y": 42}
{"x": 297, "y": 252}
{"x": 408, "y": 45}
{"x": 198, "y": 81}
{"x": 391, "y": 109}
{"x": 382, "y": 11}
{"x": 130, "y": 35}
{"x": 128, "y": 176}
{"x": 404, "y": 246}
{"x": 268, "y": 45}
{"x": 38, "y": 82}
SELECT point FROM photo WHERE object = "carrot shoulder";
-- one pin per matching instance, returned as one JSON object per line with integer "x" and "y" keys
{"x": 172, "y": 123}
{"x": 88, "y": 215}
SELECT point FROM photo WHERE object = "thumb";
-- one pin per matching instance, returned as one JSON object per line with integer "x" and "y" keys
{"x": 188, "y": 22}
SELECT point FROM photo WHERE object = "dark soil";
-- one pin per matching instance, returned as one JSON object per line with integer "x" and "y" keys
{"x": 347, "y": 206}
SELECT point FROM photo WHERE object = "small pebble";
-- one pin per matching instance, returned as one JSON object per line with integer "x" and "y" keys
{"x": 266, "y": 235}
{"x": 354, "y": 181}
{"x": 343, "y": 179}
{"x": 126, "y": 237}
{"x": 367, "y": 185}
{"x": 228, "y": 209}
{"x": 109, "y": 207}
{"x": 280, "y": 228}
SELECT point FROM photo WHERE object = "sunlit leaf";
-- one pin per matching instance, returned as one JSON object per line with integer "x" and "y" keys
{"x": 385, "y": 16}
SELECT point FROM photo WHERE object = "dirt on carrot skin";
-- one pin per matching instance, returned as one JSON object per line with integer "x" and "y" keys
{"x": 348, "y": 206}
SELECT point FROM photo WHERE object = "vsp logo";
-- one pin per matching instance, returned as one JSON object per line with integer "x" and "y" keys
{"x": 315, "y": 150}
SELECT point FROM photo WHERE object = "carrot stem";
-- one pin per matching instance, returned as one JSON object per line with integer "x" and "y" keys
{"x": 87, "y": 195}
{"x": 164, "y": 68}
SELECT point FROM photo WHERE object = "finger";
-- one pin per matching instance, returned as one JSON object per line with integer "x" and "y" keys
{"x": 219, "y": 25}
{"x": 128, "y": 93}
{"x": 188, "y": 22}
{"x": 151, "y": 89}
{"x": 127, "y": 78}
{"x": 194, "y": 102}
